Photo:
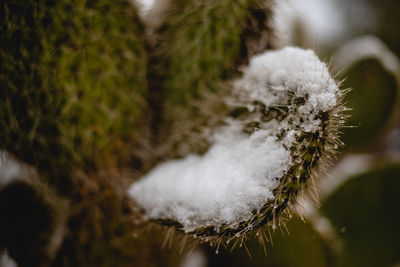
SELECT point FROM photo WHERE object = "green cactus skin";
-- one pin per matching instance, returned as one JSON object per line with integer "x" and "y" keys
{"x": 203, "y": 45}
{"x": 199, "y": 45}
{"x": 72, "y": 97}
{"x": 72, "y": 82}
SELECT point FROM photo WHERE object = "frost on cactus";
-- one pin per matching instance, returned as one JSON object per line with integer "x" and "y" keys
{"x": 285, "y": 111}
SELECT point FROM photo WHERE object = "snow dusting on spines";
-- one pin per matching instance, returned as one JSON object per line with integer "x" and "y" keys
{"x": 285, "y": 112}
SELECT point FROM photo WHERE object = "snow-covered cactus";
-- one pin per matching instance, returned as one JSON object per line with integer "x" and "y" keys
{"x": 285, "y": 113}
{"x": 84, "y": 83}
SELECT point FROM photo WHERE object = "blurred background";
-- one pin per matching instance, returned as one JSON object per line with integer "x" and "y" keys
{"x": 357, "y": 222}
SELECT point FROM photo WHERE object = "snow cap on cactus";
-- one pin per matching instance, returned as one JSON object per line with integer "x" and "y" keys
{"x": 285, "y": 107}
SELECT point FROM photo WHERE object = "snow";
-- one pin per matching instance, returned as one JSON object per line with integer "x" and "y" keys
{"x": 239, "y": 172}
{"x": 290, "y": 69}
{"x": 235, "y": 176}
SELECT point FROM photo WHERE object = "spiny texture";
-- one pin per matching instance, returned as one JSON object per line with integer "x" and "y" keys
{"x": 72, "y": 82}
{"x": 285, "y": 113}
{"x": 199, "y": 45}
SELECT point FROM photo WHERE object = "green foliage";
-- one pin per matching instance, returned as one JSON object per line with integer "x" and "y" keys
{"x": 364, "y": 212}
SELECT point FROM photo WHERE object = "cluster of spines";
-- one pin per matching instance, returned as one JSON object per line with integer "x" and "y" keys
{"x": 177, "y": 47}
{"x": 311, "y": 153}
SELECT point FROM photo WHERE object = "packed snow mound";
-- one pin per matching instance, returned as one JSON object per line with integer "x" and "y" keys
{"x": 239, "y": 172}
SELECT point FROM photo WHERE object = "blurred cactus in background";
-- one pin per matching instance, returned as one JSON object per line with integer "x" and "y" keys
{"x": 94, "y": 94}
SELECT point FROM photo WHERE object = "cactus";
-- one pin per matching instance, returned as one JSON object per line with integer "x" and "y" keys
{"x": 73, "y": 89}
{"x": 225, "y": 43}
{"x": 289, "y": 109}
{"x": 196, "y": 48}
{"x": 84, "y": 85}
{"x": 68, "y": 99}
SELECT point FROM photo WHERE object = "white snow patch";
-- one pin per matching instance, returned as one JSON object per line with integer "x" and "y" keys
{"x": 239, "y": 172}
{"x": 291, "y": 69}
{"x": 222, "y": 186}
